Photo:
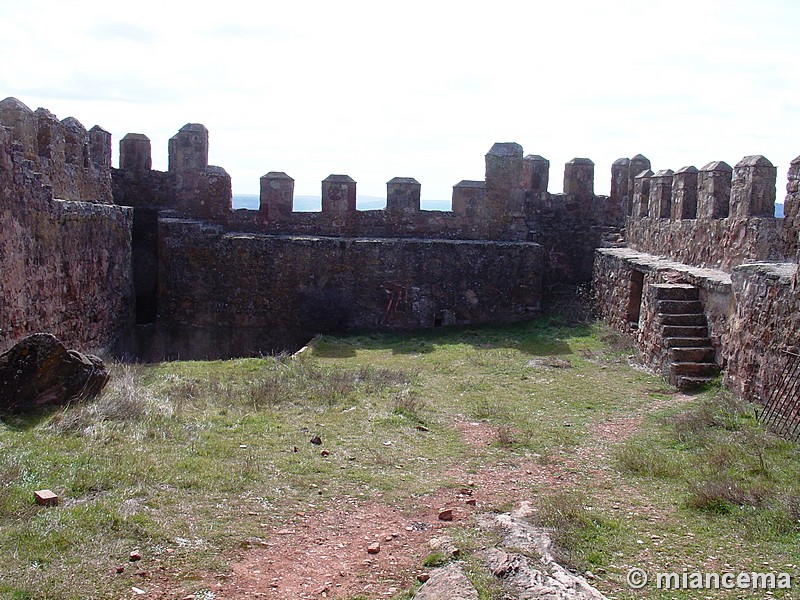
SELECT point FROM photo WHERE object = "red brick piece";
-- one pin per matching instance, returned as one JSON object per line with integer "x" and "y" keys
{"x": 46, "y": 498}
{"x": 446, "y": 514}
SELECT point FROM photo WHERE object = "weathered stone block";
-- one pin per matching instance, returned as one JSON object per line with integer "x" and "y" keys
{"x": 338, "y": 194}
{"x": 660, "y": 201}
{"x": 505, "y": 190}
{"x": 753, "y": 188}
{"x": 641, "y": 194}
{"x": 100, "y": 148}
{"x": 204, "y": 194}
{"x": 76, "y": 143}
{"x": 579, "y": 177}
{"x": 791, "y": 210}
{"x": 621, "y": 179}
{"x": 684, "y": 194}
{"x": 51, "y": 158}
{"x": 504, "y": 166}
{"x": 403, "y": 196}
{"x": 135, "y": 154}
{"x": 277, "y": 196}
{"x": 469, "y": 198}
{"x": 714, "y": 190}
{"x": 188, "y": 149}
{"x": 23, "y": 124}
{"x": 638, "y": 164}
{"x": 536, "y": 173}
{"x": 50, "y": 137}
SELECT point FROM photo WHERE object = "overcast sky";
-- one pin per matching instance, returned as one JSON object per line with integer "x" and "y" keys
{"x": 422, "y": 89}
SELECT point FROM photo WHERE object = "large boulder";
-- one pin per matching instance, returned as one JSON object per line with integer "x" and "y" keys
{"x": 40, "y": 371}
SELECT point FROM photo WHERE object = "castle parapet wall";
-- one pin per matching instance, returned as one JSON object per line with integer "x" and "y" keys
{"x": 506, "y": 205}
{"x": 791, "y": 210}
{"x": 75, "y": 162}
{"x": 65, "y": 265}
{"x": 717, "y": 216}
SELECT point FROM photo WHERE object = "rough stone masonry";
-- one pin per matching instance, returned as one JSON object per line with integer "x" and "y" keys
{"x": 154, "y": 265}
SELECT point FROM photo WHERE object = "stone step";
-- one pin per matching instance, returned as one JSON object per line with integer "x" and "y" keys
{"x": 679, "y": 307}
{"x": 694, "y": 369}
{"x": 683, "y": 319}
{"x": 692, "y": 354}
{"x": 676, "y": 291}
{"x": 681, "y": 331}
{"x": 684, "y": 342}
{"x": 684, "y": 382}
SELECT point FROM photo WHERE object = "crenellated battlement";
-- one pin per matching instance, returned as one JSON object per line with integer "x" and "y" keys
{"x": 500, "y": 207}
{"x": 209, "y": 280}
{"x": 65, "y": 249}
{"x": 716, "y": 191}
{"x": 716, "y": 216}
{"x": 75, "y": 162}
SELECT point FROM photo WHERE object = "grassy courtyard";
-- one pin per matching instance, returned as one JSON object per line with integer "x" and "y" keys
{"x": 173, "y": 459}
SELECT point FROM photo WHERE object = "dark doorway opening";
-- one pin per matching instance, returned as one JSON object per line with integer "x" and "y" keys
{"x": 635, "y": 298}
{"x": 145, "y": 264}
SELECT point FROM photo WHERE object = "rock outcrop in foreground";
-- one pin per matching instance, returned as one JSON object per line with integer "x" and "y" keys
{"x": 522, "y": 561}
{"x": 40, "y": 371}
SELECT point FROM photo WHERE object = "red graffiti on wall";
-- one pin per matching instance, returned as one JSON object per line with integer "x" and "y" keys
{"x": 396, "y": 300}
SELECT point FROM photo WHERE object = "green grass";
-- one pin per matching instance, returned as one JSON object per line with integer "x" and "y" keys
{"x": 173, "y": 457}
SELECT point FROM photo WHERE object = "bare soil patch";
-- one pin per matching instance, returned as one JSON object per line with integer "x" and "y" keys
{"x": 325, "y": 554}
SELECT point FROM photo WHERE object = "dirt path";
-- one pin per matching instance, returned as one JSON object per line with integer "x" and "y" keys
{"x": 326, "y": 554}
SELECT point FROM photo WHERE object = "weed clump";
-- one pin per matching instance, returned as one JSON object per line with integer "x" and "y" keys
{"x": 721, "y": 495}
{"x": 581, "y": 535}
{"x": 646, "y": 459}
{"x": 125, "y": 399}
{"x": 435, "y": 559}
{"x": 408, "y": 404}
{"x": 720, "y": 411}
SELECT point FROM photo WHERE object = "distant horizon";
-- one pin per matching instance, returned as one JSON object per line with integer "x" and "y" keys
{"x": 305, "y": 203}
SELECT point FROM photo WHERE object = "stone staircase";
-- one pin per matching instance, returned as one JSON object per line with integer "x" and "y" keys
{"x": 691, "y": 357}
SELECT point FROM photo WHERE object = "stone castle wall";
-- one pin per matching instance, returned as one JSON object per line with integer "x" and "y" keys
{"x": 74, "y": 162}
{"x": 763, "y": 326}
{"x": 193, "y": 278}
{"x": 713, "y": 229}
{"x": 558, "y": 234}
{"x": 233, "y": 294}
{"x": 717, "y": 217}
{"x": 508, "y": 205}
{"x": 65, "y": 264}
{"x": 623, "y": 282}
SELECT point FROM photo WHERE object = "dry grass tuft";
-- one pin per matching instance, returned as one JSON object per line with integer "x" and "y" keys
{"x": 721, "y": 495}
